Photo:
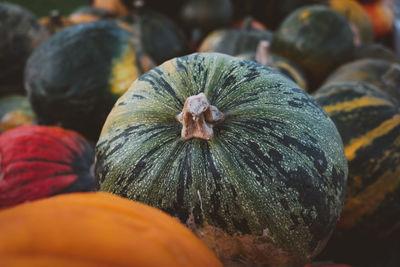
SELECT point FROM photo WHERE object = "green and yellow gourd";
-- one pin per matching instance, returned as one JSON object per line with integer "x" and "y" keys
{"x": 235, "y": 150}
{"x": 74, "y": 78}
{"x": 380, "y": 73}
{"x": 317, "y": 39}
{"x": 368, "y": 120}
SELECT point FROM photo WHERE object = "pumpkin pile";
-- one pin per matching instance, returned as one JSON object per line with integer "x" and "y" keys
{"x": 213, "y": 132}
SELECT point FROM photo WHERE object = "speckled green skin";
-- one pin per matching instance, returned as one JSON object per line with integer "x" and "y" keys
{"x": 317, "y": 39}
{"x": 20, "y": 32}
{"x": 275, "y": 164}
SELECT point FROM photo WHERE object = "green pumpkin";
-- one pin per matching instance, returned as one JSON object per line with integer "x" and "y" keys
{"x": 74, "y": 78}
{"x": 15, "y": 110}
{"x": 273, "y": 12}
{"x": 380, "y": 73}
{"x": 20, "y": 33}
{"x": 162, "y": 39}
{"x": 235, "y": 41}
{"x": 375, "y": 50}
{"x": 368, "y": 121}
{"x": 285, "y": 66}
{"x": 257, "y": 170}
{"x": 206, "y": 15}
{"x": 317, "y": 39}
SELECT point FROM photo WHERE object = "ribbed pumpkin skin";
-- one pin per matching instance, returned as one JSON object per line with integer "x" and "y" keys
{"x": 266, "y": 189}
{"x": 369, "y": 123}
{"x": 316, "y": 38}
{"x": 162, "y": 39}
{"x": 20, "y": 33}
{"x": 382, "y": 74}
{"x": 74, "y": 78}
{"x": 15, "y": 110}
{"x": 234, "y": 41}
{"x": 42, "y": 161}
{"x": 96, "y": 229}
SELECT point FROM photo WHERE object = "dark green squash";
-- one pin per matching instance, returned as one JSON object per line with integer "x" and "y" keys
{"x": 285, "y": 66}
{"x": 381, "y": 73}
{"x": 207, "y": 15}
{"x": 368, "y": 120}
{"x": 235, "y": 41}
{"x": 259, "y": 176}
{"x": 316, "y": 38}
{"x": 74, "y": 78}
{"x": 15, "y": 110}
{"x": 162, "y": 39}
{"x": 20, "y": 33}
{"x": 273, "y": 12}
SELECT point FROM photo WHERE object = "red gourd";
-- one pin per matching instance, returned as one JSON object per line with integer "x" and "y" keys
{"x": 41, "y": 161}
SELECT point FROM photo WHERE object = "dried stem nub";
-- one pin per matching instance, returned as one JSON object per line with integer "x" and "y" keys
{"x": 198, "y": 117}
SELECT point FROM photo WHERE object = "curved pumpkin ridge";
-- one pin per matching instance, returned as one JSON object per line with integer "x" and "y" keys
{"x": 205, "y": 178}
{"x": 116, "y": 232}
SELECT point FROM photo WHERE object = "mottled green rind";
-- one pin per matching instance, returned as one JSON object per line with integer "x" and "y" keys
{"x": 68, "y": 76}
{"x": 20, "y": 31}
{"x": 316, "y": 38}
{"x": 371, "y": 71}
{"x": 275, "y": 165}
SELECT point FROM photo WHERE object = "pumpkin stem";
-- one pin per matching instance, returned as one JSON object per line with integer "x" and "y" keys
{"x": 247, "y": 23}
{"x": 392, "y": 75}
{"x": 198, "y": 117}
{"x": 263, "y": 53}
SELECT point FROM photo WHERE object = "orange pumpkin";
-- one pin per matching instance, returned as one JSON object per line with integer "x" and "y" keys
{"x": 96, "y": 229}
{"x": 115, "y": 7}
{"x": 382, "y": 16}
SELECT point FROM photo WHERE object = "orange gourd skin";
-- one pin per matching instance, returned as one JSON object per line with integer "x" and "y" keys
{"x": 382, "y": 16}
{"x": 115, "y": 7}
{"x": 96, "y": 229}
